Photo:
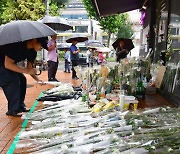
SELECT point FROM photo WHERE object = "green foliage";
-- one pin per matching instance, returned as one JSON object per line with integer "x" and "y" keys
{"x": 3, "y": 5}
{"x": 110, "y": 24}
{"x": 27, "y": 9}
{"x": 54, "y": 10}
{"x": 55, "y": 5}
{"x": 125, "y": 29}
{"x": 114, "y": 24}
{"x": 111, "y": 59}
{"x": 90, "y": 9}
{"x": 22, "y": 10}
{"x": 61, "y": 55}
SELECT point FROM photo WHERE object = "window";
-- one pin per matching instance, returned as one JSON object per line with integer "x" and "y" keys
{"x": 75, "y": 5}
{"x": 81, "y": 29}
{"x": 75, "y": 16}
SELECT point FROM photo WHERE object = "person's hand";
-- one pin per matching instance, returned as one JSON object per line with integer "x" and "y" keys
{"x": 123, "y": 50}
{"x": 54, "y": 45}
{"x": 31, "y": 71}
{"x": 41, "y": 82}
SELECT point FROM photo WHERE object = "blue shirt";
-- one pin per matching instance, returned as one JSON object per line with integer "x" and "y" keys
{"x": 74, "y": 56}
{"x": 67, "y": 56}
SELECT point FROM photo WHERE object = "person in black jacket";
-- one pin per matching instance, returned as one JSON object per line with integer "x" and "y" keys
{"x": 121, "y": 52}
{"x": 12, "y": 80}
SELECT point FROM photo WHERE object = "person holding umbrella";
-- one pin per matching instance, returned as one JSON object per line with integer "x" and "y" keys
{"x": 12, "y": 80}
{"x": 121, "y": 52}
{"x": 122, "y": 47}
{"x": 74, "y": 54}
{"x": 74, "y": 51}
{"x": 20, "y": 40}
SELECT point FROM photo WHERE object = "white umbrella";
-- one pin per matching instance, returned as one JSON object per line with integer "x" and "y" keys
{"x": 103, "y": 49}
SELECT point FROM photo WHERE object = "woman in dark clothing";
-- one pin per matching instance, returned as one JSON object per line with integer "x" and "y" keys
{"x": 12, "y": 80}
{"x": 121, "y": 52}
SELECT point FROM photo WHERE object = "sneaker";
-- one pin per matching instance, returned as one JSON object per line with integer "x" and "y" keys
{"x": 14, "y": 114}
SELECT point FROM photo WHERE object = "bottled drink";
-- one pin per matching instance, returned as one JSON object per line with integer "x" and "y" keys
{"x": 140, "y": 91}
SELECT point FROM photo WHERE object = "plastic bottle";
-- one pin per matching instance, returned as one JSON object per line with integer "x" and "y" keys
{"x": 121, "y": 101}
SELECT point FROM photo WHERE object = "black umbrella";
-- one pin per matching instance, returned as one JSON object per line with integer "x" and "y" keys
{"x": 22, "y": 30}
{"x": 128, "y": 44}
{"x": 56, "y": 23}
{"x": 93, "y": 44}
{"x": 77, "y": 37}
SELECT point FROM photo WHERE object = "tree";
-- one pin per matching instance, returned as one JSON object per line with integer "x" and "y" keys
{"x": 110, "y": 24}
{"x": 90, "y": 9}
{"x": 125, "y": 30}
{"x": 2, "y": 6}
{"x": 55, "y": 5}
{"x": 114, "y": 24}
{"x": 27, "y": 9}
{"x": 22, "y": 10}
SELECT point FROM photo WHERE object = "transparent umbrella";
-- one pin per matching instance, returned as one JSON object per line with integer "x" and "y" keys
{"x": 93, "y": 44}
{"x": 103, "y": 49}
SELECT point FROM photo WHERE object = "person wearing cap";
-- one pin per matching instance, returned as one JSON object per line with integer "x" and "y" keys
{"x": 74, "y": 54}
{"x": 12, "y": 80}
{"x": 53, "y": 59}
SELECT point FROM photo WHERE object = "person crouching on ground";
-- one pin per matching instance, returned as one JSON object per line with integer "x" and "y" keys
{"x": 53, "y": 59}
{"x": 12, "y": 79}
{"x": 74, "y": 54}
{"x": 67, "y": 60}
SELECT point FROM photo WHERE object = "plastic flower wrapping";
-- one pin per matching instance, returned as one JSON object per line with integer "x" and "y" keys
{"x": 69, "y": 126}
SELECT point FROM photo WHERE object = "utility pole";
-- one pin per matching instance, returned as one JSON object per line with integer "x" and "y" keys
{"x": 47, "y": 7}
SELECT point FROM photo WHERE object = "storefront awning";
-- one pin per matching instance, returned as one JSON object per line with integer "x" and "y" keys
{"x": 108, "y": 7}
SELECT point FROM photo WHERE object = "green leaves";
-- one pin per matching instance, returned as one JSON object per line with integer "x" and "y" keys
{"x": 22, "y": 10}
{"x": 55, "y": 5}
{"x": 114, "y": 24}
{"x": 90, "y": 9}
{"x": 27, "y": 9}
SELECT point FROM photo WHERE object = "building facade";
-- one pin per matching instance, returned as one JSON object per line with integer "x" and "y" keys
{"x": 161, "y": 35}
